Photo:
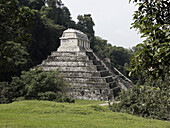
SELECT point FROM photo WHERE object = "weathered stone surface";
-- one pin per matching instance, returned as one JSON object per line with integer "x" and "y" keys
{"x": 89, "y": 77}
{"x": 74, "y": 40}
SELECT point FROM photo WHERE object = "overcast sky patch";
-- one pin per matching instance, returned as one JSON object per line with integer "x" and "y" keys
{"x": 112, "y": 19}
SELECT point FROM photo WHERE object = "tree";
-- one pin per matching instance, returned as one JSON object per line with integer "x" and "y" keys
{"x": 100, "y": 47}
{"x": 14, "y": 39}
{"x": 66, "y": 18}
{"x": 86, "y": 24}
{"x": 152, "y": 21}
{"x": 32, "y": 4}
{"x": 151, "y": 62}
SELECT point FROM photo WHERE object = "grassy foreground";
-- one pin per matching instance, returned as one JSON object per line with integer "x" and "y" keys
{"x": 82, "y": 114}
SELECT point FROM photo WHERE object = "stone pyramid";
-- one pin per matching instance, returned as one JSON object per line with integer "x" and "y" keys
{"x": 90, "y": 78}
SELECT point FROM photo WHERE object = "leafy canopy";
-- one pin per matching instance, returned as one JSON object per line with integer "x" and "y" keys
{"x": 14, "y": 39}
{"x": 152, "y": 20}
{"x": 34, "y": 84}
{"x": 151, "y": 61}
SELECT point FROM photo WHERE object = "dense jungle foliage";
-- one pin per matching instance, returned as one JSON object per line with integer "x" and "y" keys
{"x": 150, "y": 62}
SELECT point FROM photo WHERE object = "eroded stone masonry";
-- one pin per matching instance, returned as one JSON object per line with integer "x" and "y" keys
{"x": 90, "y": 78}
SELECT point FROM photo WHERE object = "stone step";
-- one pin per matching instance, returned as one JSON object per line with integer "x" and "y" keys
{"x": 79, "y": 67}
{"x": 105, "y": 73}
{"x": 69, "y": 64}
{"x": 49, "y": 68}
{"x": 80, "y": 74}
{"x": 67, "y": 68}
{"x": 55, "y": 53}
{"x": 91, "y": 90}
{"x": 100, "y": 68}
{"x": 90, "y": 94}
{"x": 96, "y": 62}
{"x": 67, "y": 58}
{"x": 91, "y": 56}
{"x": 109, "y": 79}
{"x": 85, "y": 80}
{"x": 69, "y": 54}
{"x": 113, "y": 85}
{"x": 83, "y": 73}
{"x": 89, "y": 53}
{"x": 90, "y": 85}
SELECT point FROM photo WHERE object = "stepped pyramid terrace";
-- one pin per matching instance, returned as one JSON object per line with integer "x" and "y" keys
{"x": 90, "y": 78}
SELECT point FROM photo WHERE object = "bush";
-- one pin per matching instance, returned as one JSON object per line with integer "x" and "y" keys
{"x": 144, "y": 101}
{"x": 35, "y": 84}
{"x": 5, "y": 92}
{"x": 38, "y": 81}
{"x": 20, "y": 99}
{"x": 51, "y": 96}
{"x": 65, "y": 98}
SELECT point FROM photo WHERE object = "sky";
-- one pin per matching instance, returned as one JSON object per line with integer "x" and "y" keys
{"x": 112, "y": 19}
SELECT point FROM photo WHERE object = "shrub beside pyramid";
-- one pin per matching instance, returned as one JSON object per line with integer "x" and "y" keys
{"x": 90, "y": 78}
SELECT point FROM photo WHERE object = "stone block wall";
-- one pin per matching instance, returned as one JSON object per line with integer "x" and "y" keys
{"x": 89, "y": 79}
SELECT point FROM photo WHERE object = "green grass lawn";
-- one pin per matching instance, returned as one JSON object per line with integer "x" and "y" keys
{"x": 82, "y": 114}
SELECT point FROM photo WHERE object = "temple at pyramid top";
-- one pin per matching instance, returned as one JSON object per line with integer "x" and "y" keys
{"x": 74, "y": 41}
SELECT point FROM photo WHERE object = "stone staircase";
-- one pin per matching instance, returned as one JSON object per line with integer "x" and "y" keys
{"x": 89, "y": 77}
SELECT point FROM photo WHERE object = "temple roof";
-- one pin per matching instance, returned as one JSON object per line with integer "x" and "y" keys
{"x": 72, "y": 33}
